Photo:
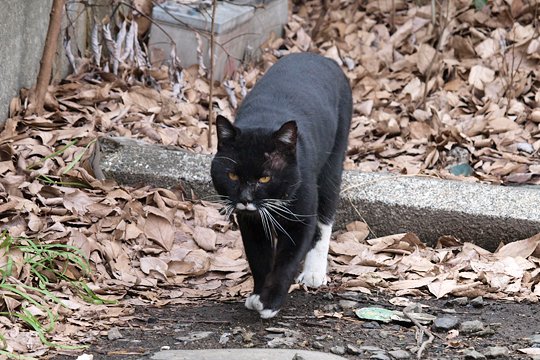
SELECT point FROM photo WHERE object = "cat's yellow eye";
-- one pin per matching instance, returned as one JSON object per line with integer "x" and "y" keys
{"x": 233, "y": 176}
{"x": 264, "y": 179}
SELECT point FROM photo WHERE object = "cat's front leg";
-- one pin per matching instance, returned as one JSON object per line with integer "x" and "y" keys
{"x": 293, "y": 242}
{"x": 258, "y": 250}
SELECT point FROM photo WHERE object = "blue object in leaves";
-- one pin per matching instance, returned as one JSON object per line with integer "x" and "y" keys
{"x": 462, "y": 170}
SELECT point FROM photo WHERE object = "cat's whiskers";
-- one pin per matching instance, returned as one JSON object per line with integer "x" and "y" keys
{"x": 228, "y": 206}
{"x": 282, "y": 210}
{"x": 225, "y": 158}
{"x": 220, "y": 199}
{"x": 276, "y": 224}
{"x": 268, "y": 228}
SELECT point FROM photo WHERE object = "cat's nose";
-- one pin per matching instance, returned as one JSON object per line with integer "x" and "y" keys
{"x": 246, "y": 196}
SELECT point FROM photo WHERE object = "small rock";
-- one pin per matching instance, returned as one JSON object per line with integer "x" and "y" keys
{"x": 164, "y": 348}
{"x": 194, "y": 336}
{"x": 371, "y": 325}
{"x": 351, "y": 349}
{"x": 282, "y": 342}
{"x": 328, "y": 296}
{"x": 324, "y": 337}
{"x": 477, "y": 302}
{"x": 471, "y": 354}
{"x": 331, "y": 307}
{"x": 526, "y": 147}
{"x": 383, "y": 334}
{"x": 497, "y": 352}
{"x": 535, "y": 339}
{"x": 380, "y": 356}
{"x": 445, "y": 323}
{"x": 85, "y": 357}
{"x": 338, "y": 350}
{"x": 348, "y": 304}
{"x": 399, "y": 354}
{"x": 371, "y": 349}
{"x": 298, "y": 357}
{"x": 351, "y": 295}
{"x": 461, "y": 301}
{"x": 471, "y": 327}
{"x": 224, "y": 338}
{"x": 317, "y": 345}
{"x": 114, "y": 334}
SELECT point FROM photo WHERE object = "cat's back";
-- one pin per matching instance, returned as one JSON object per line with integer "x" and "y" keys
{"x": 298, "y": 83}
{"x": 305, "y": 66}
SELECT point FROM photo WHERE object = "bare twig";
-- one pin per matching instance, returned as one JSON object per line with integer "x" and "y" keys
{"x": 211, "y": 75}
{"x": 438, "y": 49}
{"x": 47, "y": 59}
{"x": 229, "y": 89}
{"x": 320, "y": 19}
{"x": 422, "y": 329}
{"x": 95, "y": 45}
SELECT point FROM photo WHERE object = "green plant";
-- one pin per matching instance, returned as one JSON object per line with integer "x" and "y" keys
{"x": 56, "y": 180}
{"x": 46, "y": 265}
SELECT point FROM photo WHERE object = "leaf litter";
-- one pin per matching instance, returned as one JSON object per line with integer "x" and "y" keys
{"x": 427, "y": 98}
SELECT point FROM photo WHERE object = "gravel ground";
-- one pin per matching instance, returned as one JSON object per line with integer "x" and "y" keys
{"x": 326, "y": 321}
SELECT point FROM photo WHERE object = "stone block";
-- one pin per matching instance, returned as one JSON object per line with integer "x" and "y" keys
{"x": 240, "y": 29}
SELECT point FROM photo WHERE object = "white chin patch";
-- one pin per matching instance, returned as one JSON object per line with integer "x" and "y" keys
{"x": 248, "y": 206}
{"x": 253, "y": 302}
{"x": 316, "y": 262}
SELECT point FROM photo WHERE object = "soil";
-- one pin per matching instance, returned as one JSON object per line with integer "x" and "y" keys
{"x": 153, "y": 329}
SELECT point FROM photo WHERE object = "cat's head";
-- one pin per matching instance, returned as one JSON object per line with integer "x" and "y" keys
{"x": 255, "y": 166}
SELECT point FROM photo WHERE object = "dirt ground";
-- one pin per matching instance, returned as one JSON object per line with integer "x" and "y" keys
{"x": 301, "y": 325}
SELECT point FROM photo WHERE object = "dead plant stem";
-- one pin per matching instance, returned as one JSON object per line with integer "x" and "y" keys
{"x": 47, "y": 59}
{"x": 437, "y": 49}
{"x": 422, "y": 329}
{"x": 211, "y": 75}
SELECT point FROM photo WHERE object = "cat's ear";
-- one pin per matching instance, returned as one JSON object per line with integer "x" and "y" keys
{"x": 286, "y": 136}
{"x": 226, "y": 132}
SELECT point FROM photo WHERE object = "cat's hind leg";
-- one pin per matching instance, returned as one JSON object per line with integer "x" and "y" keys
{"x": 329, "y": 182}
{"x": 315, "y": 264}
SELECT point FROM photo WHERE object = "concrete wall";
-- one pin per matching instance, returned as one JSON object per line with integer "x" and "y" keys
{"x": 23, "y": 27}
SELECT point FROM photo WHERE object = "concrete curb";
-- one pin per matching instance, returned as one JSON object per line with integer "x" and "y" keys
{"x": 479, "y": 213}
{"x": 243, "y": 354}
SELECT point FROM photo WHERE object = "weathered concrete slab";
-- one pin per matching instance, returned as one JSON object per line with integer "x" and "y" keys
{"x": 483, "y": 214}
{"x": 23, "y": 26}
{"x": 243, "y": 354}
{"x": 241, "y": 27}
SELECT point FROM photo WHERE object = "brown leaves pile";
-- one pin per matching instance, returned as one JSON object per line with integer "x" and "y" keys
{"x": 429, "y": 96}
{"x": 403, "y": 265}
{"x": 426, "y": 98}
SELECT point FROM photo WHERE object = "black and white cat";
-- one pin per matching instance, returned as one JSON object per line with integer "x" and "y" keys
{"x": 279, "y": 169}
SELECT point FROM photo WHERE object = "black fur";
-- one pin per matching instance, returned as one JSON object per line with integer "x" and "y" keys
{"x": 292, "y": 127}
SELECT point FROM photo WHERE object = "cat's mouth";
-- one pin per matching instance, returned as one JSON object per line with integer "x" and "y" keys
{"x": 246, "y": 207}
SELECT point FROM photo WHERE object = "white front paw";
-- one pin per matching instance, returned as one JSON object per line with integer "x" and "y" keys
{"x": 312, "y": 279}
{"x": 268, "y": 314}
{"x": 253, "y": 302}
